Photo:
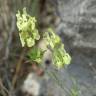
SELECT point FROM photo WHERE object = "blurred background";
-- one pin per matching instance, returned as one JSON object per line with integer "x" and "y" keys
{"x": 74, "y": 21}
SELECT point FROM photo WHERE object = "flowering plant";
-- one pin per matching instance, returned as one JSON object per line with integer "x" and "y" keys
{"x": 29, "y": 34}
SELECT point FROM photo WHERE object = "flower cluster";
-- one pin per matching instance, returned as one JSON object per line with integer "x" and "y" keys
{"x": 27, "y": 29}
{"x": 60, "y": 56}
{"x": 29, "y": 34}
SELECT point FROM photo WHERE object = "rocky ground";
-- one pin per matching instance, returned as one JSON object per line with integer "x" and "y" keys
{"x": 78, "y": 30}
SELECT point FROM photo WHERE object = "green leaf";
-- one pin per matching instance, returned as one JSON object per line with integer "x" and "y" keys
{"x": 36, "y": 54}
